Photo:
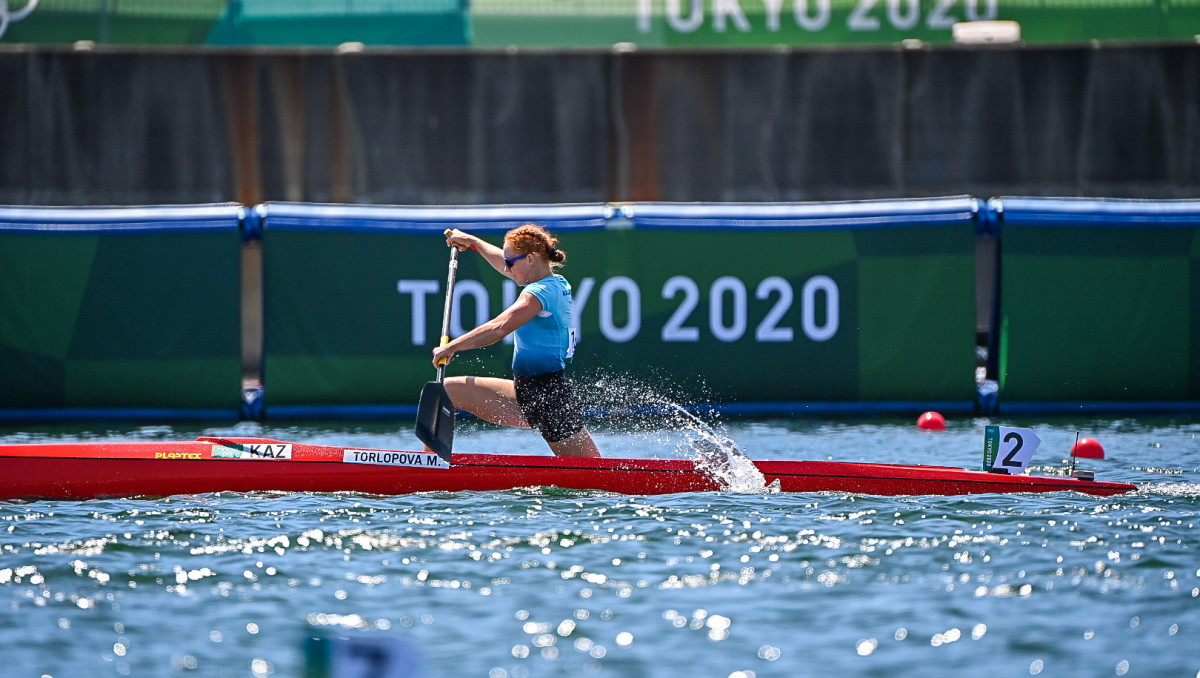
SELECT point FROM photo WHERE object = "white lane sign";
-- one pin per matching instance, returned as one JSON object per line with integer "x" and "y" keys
{"x": 1007, "y": 449}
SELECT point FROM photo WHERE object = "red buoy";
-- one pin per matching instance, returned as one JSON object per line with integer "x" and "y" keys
{"x": 1088, "y": 448}
{"x": 931, "y": 421}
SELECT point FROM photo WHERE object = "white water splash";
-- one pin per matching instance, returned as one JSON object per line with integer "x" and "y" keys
{"x": 1170, "y": 489}
{"x": 710, "y": 449}
{"x": 718, "y": 455}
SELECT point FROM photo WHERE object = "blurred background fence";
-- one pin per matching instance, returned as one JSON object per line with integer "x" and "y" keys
{"x": 126, "y": 127}
{"x": 762, "y": 308}
{"x": 571, "y": 24}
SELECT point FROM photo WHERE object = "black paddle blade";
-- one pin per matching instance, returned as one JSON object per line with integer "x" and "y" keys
{"x": 435, "y": 419}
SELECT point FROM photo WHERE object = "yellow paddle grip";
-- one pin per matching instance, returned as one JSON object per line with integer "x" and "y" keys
{"x": 445, "y": 340}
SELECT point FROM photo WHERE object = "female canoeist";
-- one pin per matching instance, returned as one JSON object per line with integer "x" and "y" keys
{"x": 539, "y": 395}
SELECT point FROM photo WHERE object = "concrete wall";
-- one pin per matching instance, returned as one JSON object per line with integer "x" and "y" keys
{"x": 458, "y": 127}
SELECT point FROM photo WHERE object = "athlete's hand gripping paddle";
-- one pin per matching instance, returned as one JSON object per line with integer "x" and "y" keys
{"x": 435, "y": 411}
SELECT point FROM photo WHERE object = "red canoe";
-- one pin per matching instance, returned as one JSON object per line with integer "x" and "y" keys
{"x": 122, "y": 469}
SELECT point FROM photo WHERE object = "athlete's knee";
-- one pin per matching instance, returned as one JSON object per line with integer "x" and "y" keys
{"x": 579, "y": 445}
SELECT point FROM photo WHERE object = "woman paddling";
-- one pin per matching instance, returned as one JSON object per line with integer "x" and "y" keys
{"x": 539, "y": 395}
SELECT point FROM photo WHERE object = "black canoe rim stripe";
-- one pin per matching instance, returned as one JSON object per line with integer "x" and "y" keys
{"x": 1034, "y": 481}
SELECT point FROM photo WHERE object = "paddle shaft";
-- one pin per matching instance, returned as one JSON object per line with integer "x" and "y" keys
{"x": 441, "y": 369}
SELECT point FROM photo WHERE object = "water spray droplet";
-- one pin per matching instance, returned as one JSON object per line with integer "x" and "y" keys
{"x": 651, "y": 411}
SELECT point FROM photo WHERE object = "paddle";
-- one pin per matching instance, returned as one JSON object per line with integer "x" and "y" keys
{"x": 435, "y": 411}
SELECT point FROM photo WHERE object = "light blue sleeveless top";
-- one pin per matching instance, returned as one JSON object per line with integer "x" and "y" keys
{"x": 547, "y": 342}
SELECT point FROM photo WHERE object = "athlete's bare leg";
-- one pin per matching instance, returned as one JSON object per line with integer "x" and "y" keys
{"x": 578, "y": 445}
{"x": 488, "y": 398}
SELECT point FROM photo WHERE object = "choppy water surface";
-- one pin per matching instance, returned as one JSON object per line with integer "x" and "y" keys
{"x": 544, "y": 582}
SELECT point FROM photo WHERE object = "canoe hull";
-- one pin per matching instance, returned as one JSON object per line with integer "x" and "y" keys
{"x": 96, "y": 470}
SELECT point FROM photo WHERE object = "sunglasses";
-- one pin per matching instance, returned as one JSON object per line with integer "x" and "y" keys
{"x": 509, "y": 262}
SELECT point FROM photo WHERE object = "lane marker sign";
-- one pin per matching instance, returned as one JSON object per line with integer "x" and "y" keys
{"x": 1007, "y": 449}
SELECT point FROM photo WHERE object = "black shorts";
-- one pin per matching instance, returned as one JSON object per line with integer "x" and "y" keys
{"x": 550, "y": 404}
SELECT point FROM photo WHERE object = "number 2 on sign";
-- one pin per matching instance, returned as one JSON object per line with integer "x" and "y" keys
{"x": 1016, "y": 449}
{"x": 1010, "y": 459}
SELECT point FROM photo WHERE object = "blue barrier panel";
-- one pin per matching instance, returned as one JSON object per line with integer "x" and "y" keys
{"x": 127, "y": 312}
{"x": 865, "y": 306}
{"x": 809, "y": 307}
{"x": 1099, "y": 303}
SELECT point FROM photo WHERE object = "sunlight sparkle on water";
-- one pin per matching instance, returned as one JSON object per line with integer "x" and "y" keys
{"x": 588, "y": 583}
